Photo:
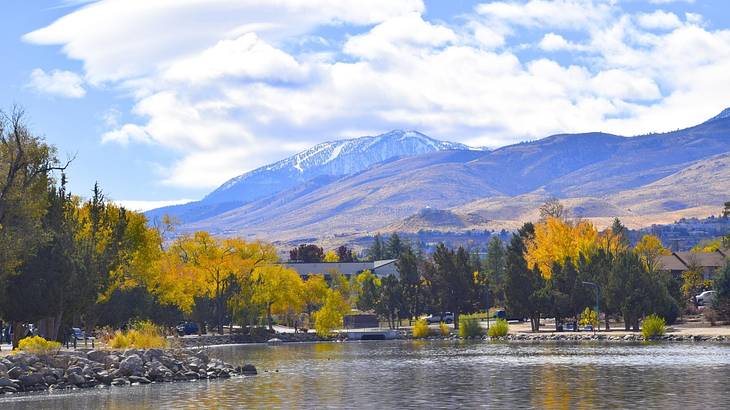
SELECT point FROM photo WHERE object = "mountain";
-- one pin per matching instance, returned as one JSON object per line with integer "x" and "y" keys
{"x": 646, "y": 179}
{"x": 313, "y": 167}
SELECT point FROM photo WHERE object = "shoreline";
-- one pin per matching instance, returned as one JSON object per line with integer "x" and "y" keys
{"x": 76, "y": 370}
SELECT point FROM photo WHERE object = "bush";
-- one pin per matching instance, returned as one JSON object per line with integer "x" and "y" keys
{"x": 469, "y": 327}
{"x": 39, "y": 346}
{"x": 589, "y": 317}
{"x": 653, "y": 326}
{"x": 144, "y": 335}
{"x": 443, "y": 329}
{"x": 498, "y": 329}
{"x": 710, "y": 315}
{"x": 420, "y": 329}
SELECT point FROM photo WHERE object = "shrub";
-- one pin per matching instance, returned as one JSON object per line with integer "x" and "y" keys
{"x": 653, "y": 326}
{"x": 469, "y": 327}
{"x": 498, "y": 329}
{"x": 589, "y": 317}
{"x": 39, "y": 346}
{"x": 443, "y": 329}
{"x": 420, "y": 329}
{"x": 144, "y": 335}
{"x": 710, "y": 315}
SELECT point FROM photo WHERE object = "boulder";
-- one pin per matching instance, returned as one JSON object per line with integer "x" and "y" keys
{"x": 248, "y": 370}
{"x": 132, "y": 365}
{"x": 120, "y": 381}
{"x": 76, "y": 379}
{"x": 98, "y": 356}
{"x": 139, "y": 379}
{"x": 32, "y": 379}
{"x": 15, "y": 372}
{"x": 5, "y": 382}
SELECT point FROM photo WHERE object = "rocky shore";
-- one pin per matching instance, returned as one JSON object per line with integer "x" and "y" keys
{"x": 67, "y": 370}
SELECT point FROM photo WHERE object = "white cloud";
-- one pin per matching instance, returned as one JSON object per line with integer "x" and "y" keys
{"x": 659, "y": 19}
{"x": 57, "y": 82}
{"x": 119, "y": 39}
{"x": 670, "y": 1}
{"x": 556, "y": 42}
{"x": 231, "y": 93}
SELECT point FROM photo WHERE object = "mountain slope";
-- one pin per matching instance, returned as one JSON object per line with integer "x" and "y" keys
{"x": 328, "y": 160}
{"x": 598, "y": 175}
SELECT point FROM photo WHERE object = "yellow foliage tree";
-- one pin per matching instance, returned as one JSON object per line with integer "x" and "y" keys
{"x": 331, "y": 315}
{"x": 331, "y": 256}
{"x": 278, "y": 289}
{"x": 650, "y": 249}
{"x": 556, "y": 239}
{"x": 204, "y": 266}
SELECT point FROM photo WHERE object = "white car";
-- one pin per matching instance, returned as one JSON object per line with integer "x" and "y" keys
{"x": 706, "y": 298}
{"x": 448, "y": 318}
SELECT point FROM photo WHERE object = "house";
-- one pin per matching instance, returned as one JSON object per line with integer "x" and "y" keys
{"x": 381, "y": 268}
{"x": 710, "y": 263}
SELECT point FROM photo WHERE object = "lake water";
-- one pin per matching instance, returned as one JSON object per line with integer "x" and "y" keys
{"x": 432, "y": 374}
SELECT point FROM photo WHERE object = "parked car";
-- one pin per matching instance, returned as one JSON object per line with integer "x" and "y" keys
{"x": 501, "y": 314}
{"x": 187, "y": 328}
{"x": 706, "y": 298}
{"x": 447, "y": 318}
{"x": 587, "y": 328}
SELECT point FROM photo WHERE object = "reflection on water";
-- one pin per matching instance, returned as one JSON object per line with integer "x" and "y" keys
{"x": 417, "y": 374}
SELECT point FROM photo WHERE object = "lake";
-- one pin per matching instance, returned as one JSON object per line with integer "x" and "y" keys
{"x": 415, "y": 374}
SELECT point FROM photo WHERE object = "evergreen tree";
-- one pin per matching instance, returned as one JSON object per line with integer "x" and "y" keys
{"x": 390, "y": 302}
{"x": 410, "y": 280}
{"x": 394, "y": 247}
{"x": 376, "y": 251}
{"x": 495, "y": 267}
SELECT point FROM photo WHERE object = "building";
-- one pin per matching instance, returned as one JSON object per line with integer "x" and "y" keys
{"x": 710, "y": 263}
{"x": 380, "y": 268}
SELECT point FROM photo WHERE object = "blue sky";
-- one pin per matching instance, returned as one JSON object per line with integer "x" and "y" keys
{"x": 163, "y": 101}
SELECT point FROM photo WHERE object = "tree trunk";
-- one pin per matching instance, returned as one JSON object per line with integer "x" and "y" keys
{"x": 19, "y": 330}
{"x": 269, "y": 318}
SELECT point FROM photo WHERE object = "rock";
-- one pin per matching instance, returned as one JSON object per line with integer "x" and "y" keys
{"x": 76, "y": 379}
{"x": 15, "y": 372}
{"x": 139, "y": 379}
{"x": 132, "y": 365}
{"x": 121, "y": 381}
{"x": 5, "y": 382}
{"x": 248, "y": 370}
{"x": 274, "y": 341}
{"x": 104, "y": 377}
{"x": 32, "y": 379}
{"x": 98, "y": 356}
{"x": 191, "y": 375}
{"x": 74, "y": 369}
{"x": 9, "y": 389}
{"x": 152, "y": 354}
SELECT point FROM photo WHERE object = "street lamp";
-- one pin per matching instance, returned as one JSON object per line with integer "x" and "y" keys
{"x": 598, "y": 295}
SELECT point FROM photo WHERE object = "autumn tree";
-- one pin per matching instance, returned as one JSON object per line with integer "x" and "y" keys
{"x": 650, "y": 250}
{"x": 345, "y": 254}
{"x": 278, "y": 289}
{"x": 331, "y": 315}
{"x": 331, "y": 256}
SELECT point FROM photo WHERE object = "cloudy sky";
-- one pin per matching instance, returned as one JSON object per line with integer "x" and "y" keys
{"x": 163, "y": 101}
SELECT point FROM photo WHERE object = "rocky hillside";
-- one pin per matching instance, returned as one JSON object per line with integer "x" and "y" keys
{"x": 644, "y": 179}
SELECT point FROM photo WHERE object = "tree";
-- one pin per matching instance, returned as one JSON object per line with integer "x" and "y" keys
{"x": 722, "y": 287}
{"x": 376, "y": 251}
{"x": 394, "y": 247}
{"x": 331, "y": 256}
{"x": 451, "y": 278}
{"x": 556, "y": 240}
{"x": 26, "y": 167}
{"x": 495, "y": 268}
{"x": 726, "y": 210}
{"x": 523, "y": 287}
{"x": 553, "y": 208}
{"x": 278, "y": 289}
{"x": 331, "y": 315}
{"x": 344, "y": 254}
{"x": 309, "y": 253}
{"x": 650, "y": 250}
{"x": 390, "y": 304}
{"x": 628, "y": 288}
{"x": 692, "y": 281}
{"x": 410, "y": 280}
{"x": 370, "y": 286}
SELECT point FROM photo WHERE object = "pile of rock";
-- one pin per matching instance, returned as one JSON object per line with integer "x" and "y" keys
{"x": 26, "y": 372}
